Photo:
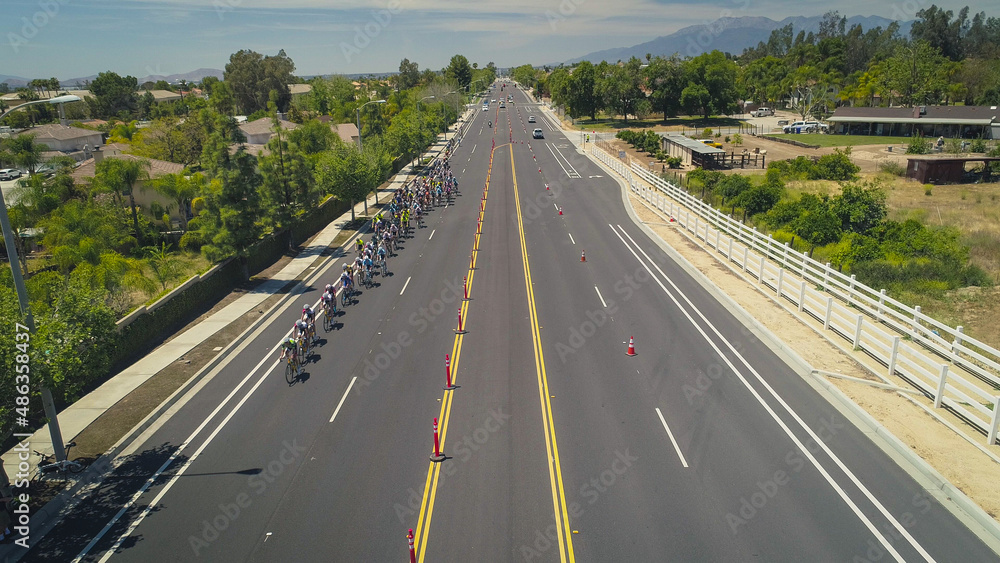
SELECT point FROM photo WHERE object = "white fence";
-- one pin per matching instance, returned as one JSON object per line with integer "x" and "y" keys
{"x": 955, "y": 370}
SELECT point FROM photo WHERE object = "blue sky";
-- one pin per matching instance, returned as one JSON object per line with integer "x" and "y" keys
{"x": 72, "y": 38}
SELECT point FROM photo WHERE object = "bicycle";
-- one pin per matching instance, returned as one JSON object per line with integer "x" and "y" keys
{"x": 292, "y": 367}
{"x": 45, "y": 467}
{"x": 345, "y": 296}
{"x": 385, "y": 268}
{"x": 327, "y": 319}
{"x": 302, "y": 349}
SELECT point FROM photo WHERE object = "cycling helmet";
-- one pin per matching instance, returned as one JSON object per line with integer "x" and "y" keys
{"x": 345, "y": 267}
{"x": 306, "y": 307}
{"x": 329, "y": 287}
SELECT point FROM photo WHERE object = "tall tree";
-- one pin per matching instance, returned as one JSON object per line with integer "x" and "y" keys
{"x": 120, "y": 175}
{"x": 460, "y": 71}
{"x": 26, "y": 152}
{"x": 716, "y": 75}
{"x": 252, "y": 76}
{"x": 409, "y": 74}
{"x": 621, "y": 88}
{"x": 665, "y": 77}
{"x": 583, "y": 97}
{"x": 936, "y": 27}
{"x": 287, "y": 183}
{"x": 114, "y": 95}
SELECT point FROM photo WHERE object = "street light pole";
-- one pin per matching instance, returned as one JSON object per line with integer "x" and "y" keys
{"x": 57, "y": 100}
{"x": 22, "y": 296}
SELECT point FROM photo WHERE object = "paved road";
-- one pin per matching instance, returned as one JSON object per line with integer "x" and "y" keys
{"x": 704, "y": 446}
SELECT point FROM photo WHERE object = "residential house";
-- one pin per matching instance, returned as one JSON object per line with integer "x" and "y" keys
{"x": 65, "y": 139}
{"x": 259, "y": 132}
{"x": 145, "y": 196}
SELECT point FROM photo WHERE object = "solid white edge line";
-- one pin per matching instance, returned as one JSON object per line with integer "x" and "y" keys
{"x": 571, "y": 238}
{"x": 434, "y": 231}
{"x": 173, "y": 479}
{"x": 152, "y": 479}
{"x": 406, "y": 284}
{"x": 843, "y": 467}
{"x": 601, "y": 297}
{"x": 788, "y": 432}
{"x": 556, "y": 206}
{"x": 342, "y": 399}
{"x": 671, "y": 435}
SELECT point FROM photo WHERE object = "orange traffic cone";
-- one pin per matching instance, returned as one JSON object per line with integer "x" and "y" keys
{"x": 583, "y": 256}
{"x": 631, "y": 347}
{"x": 560, "y": 210}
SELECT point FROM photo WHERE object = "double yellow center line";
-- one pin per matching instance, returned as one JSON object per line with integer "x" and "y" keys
{"x": 560, "y": 510}
{"x": 434, "y": 471}
{"x": 563, "y": 531}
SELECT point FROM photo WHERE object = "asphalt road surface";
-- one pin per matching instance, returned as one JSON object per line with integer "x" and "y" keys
{"x": 704, "y": 446}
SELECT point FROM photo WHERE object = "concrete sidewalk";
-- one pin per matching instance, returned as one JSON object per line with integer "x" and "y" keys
{"x": 76, "y": 417}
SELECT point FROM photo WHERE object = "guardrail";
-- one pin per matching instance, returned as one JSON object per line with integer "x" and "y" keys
{"x": 955, "y": 370}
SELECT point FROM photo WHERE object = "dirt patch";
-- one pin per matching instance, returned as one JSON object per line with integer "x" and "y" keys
{"x": 964, "y": 465}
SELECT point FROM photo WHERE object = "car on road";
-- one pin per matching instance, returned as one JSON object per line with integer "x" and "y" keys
{"x": 502, "y": 105}
{"x": 9, "y": 174}
{"x": 805, "y": 127}
{"x": 486, "y": 108}
{"x": 531, "y": 119}
{"x": 762, "y": 112}
{"x": 537, "y": 134}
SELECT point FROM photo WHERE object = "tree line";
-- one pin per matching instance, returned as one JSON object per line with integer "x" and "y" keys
{"x": 947, "y": 58}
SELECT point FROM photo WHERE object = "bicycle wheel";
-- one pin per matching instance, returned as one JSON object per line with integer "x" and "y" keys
{"x": 77, "y": 466}
{"x": 290, "y": 373}
{"x": 344, "y": 298}
{"x": 327, "y": 324}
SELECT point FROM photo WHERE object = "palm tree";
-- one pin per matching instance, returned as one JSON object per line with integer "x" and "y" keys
{"x": 26, "y": 152}
{"x": 181, "y": 189}
{"x": 120, "y": 175}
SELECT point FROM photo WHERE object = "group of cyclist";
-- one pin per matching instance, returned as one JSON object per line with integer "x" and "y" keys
{"x": 434, "y": 186}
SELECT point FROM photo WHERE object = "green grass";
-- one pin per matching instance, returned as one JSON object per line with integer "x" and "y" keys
{"x": 824, "y": 140}
{"x": 606, "y": 123}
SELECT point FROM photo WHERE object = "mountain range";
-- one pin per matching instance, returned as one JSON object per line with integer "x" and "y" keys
{"x": 193, "y": 76}
{"x": 729, "y": 35}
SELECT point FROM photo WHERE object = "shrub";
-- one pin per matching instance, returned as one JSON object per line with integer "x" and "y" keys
{"x": 918, "y": 145}
{"x": 727, "y": 138}
{"x": 928, "y": 189}
{"x": 978, "y": 146}
{"x": 738, "y": 140}
{"x": 892, "y": 167}
{"x": 837, "y": 166}
{"x": 674, "y": 162}
{"x": 707, "y": 133}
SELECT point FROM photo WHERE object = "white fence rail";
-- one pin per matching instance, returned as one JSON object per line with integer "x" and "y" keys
{"x": 955, "y": 370}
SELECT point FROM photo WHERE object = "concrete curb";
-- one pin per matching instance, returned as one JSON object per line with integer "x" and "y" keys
{"x": 948, "y": 494}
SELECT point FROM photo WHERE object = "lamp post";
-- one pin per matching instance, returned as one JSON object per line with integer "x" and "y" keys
{"x": 360, "y": 147}
{"x": 48, "y": 404}
{"x": 60, "y": 100}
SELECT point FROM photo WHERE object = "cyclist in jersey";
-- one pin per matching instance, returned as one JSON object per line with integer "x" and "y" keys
{"x": 288, "y": 351}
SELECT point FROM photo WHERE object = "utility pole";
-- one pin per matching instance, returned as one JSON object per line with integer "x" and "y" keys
{"x": 22, "y": 296}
